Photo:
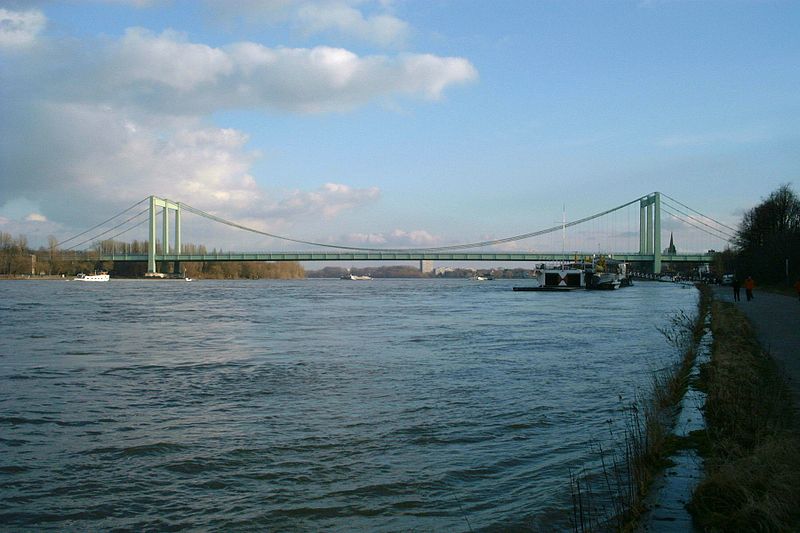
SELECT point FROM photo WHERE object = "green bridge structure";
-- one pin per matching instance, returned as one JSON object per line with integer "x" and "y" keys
{"x": 649, "y": 256}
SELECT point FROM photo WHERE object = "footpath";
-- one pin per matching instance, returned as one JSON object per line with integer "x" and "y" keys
{"x": 776, "y": 319}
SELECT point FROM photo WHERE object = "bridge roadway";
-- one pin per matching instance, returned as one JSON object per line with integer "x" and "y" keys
{"x": 403, "y": 256}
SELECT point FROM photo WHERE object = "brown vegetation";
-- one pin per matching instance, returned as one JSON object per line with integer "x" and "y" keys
{"x": 752, "y": 458}
{"x": 16, "y": 259}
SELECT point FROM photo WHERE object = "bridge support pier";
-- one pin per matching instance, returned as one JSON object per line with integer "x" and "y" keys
{"x": 650, "y": 228}
{"x": 166, "y": 206}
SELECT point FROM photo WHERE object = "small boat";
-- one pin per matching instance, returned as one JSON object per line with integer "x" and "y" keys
{"x": 188, "y": 279}
{"x": 97, "y": 276}
{"x": 353, "y": 277}
{"x": 603, "y": 281}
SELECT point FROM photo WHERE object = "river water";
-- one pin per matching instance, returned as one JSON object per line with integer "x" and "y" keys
{"x": 312, "y": 405}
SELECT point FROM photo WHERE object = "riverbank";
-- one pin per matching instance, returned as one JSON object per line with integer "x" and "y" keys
{"x": 24, "y": 277}
{"x": 740, "y": 470}
{"x": 751, "y": 442}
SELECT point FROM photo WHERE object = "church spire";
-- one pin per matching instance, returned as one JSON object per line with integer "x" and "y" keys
{"x": 671, "y": 248}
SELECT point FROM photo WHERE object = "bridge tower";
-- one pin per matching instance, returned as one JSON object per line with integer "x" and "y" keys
{"x": 166, "y": 206}
{"x": 650, "y": 228}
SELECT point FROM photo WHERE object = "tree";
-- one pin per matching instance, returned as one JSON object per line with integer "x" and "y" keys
{"x": 769, "y": 235}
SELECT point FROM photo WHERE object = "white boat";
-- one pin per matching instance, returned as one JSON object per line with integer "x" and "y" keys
{"x": 97, "y": 276}
{"x": 603, "y": 281}
{"x": 353, "y": 277}
{"x": 188, "y": 279}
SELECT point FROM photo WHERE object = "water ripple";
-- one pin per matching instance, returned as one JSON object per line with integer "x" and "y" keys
{"x": 311, "y": 405}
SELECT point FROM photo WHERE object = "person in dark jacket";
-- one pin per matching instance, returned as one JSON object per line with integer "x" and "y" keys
{"x": 737, "y": 285}
{"x": 749, "y": 284}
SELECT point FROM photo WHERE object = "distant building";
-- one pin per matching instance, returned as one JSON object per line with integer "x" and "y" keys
{"x": 670, "y": 250}
{"x": 425, "y": 266}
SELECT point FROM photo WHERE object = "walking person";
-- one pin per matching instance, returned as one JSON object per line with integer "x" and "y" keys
{"x": 737, "y": 285}
{"x": 748, "y": 287}
{"x": 797, "y": 287}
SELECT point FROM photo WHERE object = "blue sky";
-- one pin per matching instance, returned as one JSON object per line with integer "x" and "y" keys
{"x": 392, "y": 123}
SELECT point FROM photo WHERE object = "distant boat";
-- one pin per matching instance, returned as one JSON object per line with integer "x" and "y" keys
{"x": 97, "y": 276}
{"x": 353, "y": 277}
{"x": 188, "y": 279}
{"x": 485, "y": 277}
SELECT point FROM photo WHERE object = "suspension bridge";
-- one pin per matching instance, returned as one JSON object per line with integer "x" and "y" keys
{"x": 648, "y": 255}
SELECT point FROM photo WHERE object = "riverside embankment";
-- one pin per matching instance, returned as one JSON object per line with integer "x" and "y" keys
{"x": 751, "y": 442}
{"x": 739, "y": 470}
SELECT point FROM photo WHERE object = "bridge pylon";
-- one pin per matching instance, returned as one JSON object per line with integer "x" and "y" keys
{"x": 650, "y": 228}
{"x": 167, "y": 206}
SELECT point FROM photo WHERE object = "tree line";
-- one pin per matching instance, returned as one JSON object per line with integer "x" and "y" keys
{"x": 767, "y": 244}
{"x": 18, "y": 259}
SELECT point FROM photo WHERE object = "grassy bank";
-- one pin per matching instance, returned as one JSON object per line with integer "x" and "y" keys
{"x": 751, "y": 448}
{"x": 614, "y": 499}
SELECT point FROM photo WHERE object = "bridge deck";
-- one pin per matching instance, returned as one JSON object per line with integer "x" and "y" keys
{"x": 402, "y": 256}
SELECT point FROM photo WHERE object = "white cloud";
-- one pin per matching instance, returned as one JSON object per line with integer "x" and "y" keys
{"x": 397, "y": 238}
{"x": 369, "y": 21}
{"x": 122, "y": 119}
{"x": 415, "y": 237}
{"x": 107, "y": 157}
{"x": 366, "y": 239}
{"x": 167, "y": 59}
{"x": 165, "y": 72}
{"x": 383, "y": 29}
{"x": 19, "y": 29}
{"x": 327, "y": 201}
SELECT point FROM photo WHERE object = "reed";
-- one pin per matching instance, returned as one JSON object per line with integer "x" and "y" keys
{"x": 614, "y": 498}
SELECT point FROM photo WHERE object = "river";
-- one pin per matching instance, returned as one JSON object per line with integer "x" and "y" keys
{"x": 312, "y": 405}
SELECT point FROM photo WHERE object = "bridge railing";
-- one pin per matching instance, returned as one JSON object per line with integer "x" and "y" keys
{"x": 403, "y": 256}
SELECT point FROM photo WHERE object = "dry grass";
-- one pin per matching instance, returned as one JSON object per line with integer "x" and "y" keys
{"x": 753, "y": 460}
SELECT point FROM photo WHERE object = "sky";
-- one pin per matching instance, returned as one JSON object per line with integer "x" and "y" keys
{"x": 392, "y": 123}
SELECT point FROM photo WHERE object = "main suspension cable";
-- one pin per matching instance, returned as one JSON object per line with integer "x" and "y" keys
{"x": 720, "y": 236}
{"x": 698, "y": 220}
{"x": 98, "y": 225}
{"x": 140, "y": 213}
{"x": 433, "y": 249}
{"x": 699, "y": 213}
